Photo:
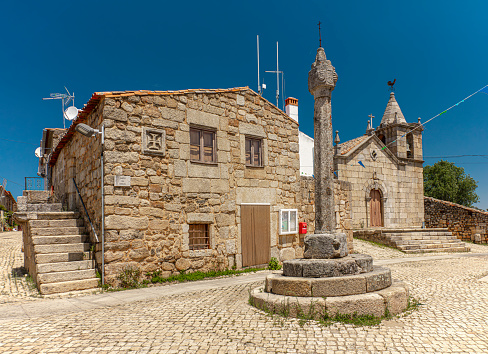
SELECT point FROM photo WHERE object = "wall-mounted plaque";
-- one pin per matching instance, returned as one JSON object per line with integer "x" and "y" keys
{"x": 122, "y": 181}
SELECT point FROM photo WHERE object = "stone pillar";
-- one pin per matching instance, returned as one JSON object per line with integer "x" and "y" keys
{"x": 322, "y": 79}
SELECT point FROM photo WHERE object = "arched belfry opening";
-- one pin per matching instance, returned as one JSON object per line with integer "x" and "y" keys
{"x": 410, "y": 152}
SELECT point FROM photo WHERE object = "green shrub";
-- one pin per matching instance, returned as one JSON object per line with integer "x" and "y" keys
{"x": 274, "y": 264}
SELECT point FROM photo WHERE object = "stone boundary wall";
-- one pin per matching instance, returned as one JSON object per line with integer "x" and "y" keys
{"x": 467, "y": 224}
{"x": 342, "y": 196}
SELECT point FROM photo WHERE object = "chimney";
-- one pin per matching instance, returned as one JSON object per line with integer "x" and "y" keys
{"x": 291, "y": 108}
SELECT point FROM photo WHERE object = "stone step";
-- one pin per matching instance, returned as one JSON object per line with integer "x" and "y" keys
{"x": 56, "y": 223}
{"x": 431, "y": 250}
{"x": 63, "y": 257}
{"x": 53, "y": 240}
{"x": 58, "y": 215}
{"x": 67, "y": 286}
{"x": 440, "y": 247}
{"x": 71, "y": 275}
{"x": 53, "y": 207}
{"x": 422, "y": 242}
{"x": 65, "y": 266}
{"x": 55, "y": 231}
{"x": 404, "y": 231}
{"x": 62, "y": 248}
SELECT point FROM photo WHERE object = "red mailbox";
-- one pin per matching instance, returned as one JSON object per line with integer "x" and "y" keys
{"x": 302, "y": 227}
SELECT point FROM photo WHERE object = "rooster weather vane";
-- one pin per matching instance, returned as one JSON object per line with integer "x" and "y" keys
{"x": 391, "y": 83}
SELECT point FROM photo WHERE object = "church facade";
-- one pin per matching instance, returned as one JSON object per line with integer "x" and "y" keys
{"x": 384, "y": 168}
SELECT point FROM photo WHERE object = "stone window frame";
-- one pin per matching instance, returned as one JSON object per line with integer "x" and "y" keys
{"x": 261, "y": 150}
{"x": 145, "y": 149}
{"x": 280, "y": 221}
{"x": 199, "y": 218}
{"x": 214, "y": 147}
{"x": 206, "y": 230}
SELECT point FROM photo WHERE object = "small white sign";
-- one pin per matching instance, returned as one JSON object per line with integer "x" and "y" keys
{"x": 122, "y": 181}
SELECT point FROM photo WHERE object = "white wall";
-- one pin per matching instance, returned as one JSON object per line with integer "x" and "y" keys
{"x": 306, "y": 154}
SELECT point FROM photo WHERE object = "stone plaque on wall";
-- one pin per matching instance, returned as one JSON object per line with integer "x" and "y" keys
{"x": 122, "y": 181}
{"x": 153, "y": 141}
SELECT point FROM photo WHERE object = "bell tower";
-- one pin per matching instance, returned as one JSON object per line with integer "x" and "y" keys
{"x": 402, "y": 138}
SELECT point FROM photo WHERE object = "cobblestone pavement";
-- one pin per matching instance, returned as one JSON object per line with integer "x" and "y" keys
{"x": 13, "y": 284}
{"x": 384, "y": 252}
{"x": 453, "y": 318}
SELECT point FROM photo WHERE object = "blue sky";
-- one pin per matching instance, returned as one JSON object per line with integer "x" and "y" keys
{"x": 435, "y": 49}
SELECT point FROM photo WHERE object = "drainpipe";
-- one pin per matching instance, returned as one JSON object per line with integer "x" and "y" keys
{"x": 103, "y": 208}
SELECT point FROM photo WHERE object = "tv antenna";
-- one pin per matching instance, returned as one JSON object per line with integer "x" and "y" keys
{"x": 71, "y": 112}
{"x": 278, "y": 72}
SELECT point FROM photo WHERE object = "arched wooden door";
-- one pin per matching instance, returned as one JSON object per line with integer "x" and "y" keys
{"x": 375, "y": 203}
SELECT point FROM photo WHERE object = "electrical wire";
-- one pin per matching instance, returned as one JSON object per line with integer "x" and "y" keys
{"x": 437, "y": 115}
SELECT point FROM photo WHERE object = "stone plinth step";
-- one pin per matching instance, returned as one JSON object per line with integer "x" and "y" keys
{"x": 56, "y": 223}
{"x": 62, "y": 248}
{"x": 56, "y": 240}
{"x": 393, "y": 298}
{"x": 64, "y": 266}
{"x": 67, "y": 286}
{"x": 55, "y": 231}
{"x": 57, "y": 277}
{"x": 377, "y": 279}
{"x": 63, "y": 257}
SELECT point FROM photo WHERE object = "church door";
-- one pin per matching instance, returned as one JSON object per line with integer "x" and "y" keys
{"x": 376, "y": 217}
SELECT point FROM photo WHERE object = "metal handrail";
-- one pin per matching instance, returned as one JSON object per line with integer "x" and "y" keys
{"x": 86, "y": 211}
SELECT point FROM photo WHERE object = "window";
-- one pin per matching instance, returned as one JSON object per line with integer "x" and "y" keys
{"x": 202, "y": 145}
{"x": 288, "y": 221}
{"x": 199, "y": 238}
{"x": 254, "y": 152}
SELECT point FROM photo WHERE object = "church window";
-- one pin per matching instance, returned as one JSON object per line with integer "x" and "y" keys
{"x": 254, "y": 152}
{"x": 202, "y": 145}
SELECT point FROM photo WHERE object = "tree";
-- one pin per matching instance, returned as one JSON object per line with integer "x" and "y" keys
{"x": 445, "y": 181}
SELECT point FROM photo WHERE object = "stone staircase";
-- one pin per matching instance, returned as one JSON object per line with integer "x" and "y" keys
{"x": 415, "y": 240}
{"x": 57, "y": 251}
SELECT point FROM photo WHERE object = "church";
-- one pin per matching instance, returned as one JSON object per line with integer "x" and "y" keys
{"x": 384, "y": 167}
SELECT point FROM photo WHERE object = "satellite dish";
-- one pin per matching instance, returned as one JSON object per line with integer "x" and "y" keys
{"x": 71, "y": 113}
{"x": 38, "y": 152}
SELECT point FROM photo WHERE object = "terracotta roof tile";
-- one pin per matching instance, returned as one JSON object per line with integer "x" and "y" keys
{"x": 351, "y": 144}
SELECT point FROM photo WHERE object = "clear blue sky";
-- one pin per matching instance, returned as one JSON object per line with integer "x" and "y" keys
{"x": 437, "y": 51}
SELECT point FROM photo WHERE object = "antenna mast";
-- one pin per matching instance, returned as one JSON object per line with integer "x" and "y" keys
{"x": 277, "y": 77}
{"x": 259, "y": 82}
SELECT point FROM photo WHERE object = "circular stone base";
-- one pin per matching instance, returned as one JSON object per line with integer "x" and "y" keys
{"x": 319, "y": 268}
{"x": 394, "y": 299}
{"x": 378, "y": 279}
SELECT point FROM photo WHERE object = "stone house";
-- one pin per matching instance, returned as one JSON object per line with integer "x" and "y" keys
{"x": 193, "y": 180}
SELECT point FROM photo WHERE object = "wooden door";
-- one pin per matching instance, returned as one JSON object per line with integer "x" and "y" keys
{"x": 255, "y": 234}
{"x": 376, "y": 217}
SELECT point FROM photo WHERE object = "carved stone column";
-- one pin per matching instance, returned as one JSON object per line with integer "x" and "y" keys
{"x": 322, "y": 79}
